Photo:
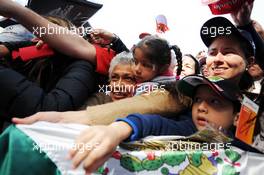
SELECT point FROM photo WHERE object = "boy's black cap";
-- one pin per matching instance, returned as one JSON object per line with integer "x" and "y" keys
{"x": 224, "y": 87}
{"x": 229, "y": 29}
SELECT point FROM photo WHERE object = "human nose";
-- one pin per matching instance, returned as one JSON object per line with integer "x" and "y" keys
{"x": 137, "y": 69}
{"x": 203, "y": 107}
{"x": 219, "y": 58}
{"x": 119, "y": 81}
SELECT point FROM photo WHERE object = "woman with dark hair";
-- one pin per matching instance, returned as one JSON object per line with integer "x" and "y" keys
{"x": 230, "y": 53}
{"x": 190, "y": 66}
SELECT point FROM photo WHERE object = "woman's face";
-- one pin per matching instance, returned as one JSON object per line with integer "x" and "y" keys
{"x": 122, "y": 82}
{"x": 143, "y": 69}
{"x": 188, "y": 66}
{"x": 225, "y": 58}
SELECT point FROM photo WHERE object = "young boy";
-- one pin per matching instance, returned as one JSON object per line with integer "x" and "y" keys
{"x": 215, "y": 101}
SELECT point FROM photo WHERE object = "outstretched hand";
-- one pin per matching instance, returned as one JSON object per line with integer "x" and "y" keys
{"x": 242, "y": 16}
{"x": 96, "y": 144}
{"x": 55, "y": 117}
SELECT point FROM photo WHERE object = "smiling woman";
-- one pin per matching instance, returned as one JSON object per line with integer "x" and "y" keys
{"x": 121, "y": 81}
{"x": 229, "y": 54}
{"x": 226, "y": 58}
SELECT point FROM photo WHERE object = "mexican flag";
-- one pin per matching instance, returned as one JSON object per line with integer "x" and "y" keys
{"x": 42, "y": 148}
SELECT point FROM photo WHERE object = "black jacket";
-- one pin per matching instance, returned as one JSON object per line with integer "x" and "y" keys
{"x": 259, "y": 43}
{"x": 20, "y": 97}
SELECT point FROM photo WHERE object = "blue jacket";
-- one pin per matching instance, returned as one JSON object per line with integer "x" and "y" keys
{"x": 145, "y": 125}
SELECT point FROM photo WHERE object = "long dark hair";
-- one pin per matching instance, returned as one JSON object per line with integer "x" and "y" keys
{"x": 196, "y": 63}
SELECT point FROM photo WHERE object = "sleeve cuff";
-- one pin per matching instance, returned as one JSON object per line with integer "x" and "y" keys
{"x": 134, "y": 135}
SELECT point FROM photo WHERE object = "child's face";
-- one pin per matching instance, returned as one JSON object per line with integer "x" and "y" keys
{"x": 143, "y": 69}
{"x": 209, "y": 107}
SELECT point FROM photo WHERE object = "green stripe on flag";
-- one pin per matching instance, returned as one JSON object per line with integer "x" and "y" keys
{"x": 19, "y": 155}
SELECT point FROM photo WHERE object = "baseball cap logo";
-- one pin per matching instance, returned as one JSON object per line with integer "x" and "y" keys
{"x": 215, "y": 78}
{"x": 214, "y": 31}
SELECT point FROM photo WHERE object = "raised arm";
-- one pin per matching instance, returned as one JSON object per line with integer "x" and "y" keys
{"x": 68, "y": 43}
{"x": 242, "y": 19}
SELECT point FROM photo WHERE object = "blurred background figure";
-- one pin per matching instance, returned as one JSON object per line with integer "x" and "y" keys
{"x": 201, "y": 55}
{"x": 203, "y": 67}
{"x": 257, "y": 74}
{"x": 259, "y": 139}
{"x": 190, "y": 66}
{"x": 258, "y": 28}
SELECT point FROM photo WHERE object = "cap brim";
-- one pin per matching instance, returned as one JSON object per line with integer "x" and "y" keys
{"x": 217, "y": 26}
{"x": 188, "y": 84}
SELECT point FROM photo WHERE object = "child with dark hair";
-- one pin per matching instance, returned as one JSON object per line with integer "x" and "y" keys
{"x": 152, "y": 58}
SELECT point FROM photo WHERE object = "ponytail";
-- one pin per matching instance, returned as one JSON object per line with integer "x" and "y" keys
{"x": 178, "y": 54}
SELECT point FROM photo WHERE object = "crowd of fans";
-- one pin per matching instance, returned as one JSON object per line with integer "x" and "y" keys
{"x": 150, "y": 89}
